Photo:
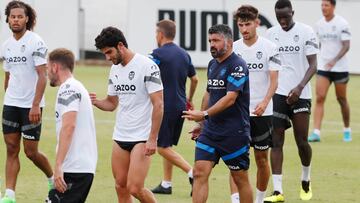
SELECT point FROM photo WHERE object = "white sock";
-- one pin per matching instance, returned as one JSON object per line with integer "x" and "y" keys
{"x": 305, "y": 174}
{"x": 235, "y": 198}
{"x": 166, "y": 184}
{"x": 347, "y": 129}
{"x": 190, "y": 173}
{"x": 260, "y": 195}
{"x": 10, "y": 193}
{"x": 277, "y": 182}
{"x": 317, "y": 131}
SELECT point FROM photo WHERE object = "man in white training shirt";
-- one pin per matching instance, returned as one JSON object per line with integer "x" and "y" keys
{"x": 24, "y": 55}
{"x": 334, "y": 37}
{"x": 134, "y": 87}
{"x": 76, "y": 150}
{"x": 262, "y": 58}
{"x": 298, "y": 47}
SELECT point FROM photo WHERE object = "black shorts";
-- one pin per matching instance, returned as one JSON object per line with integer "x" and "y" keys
{"x": 336, "y": 77}
{"x": 283, "y": 112}
{"x": 261, "y": 130}
{"x": 170, "y": 129}
{"x": 233, "y": 150}
{"x": 16, "y": 119}
{"x": 79, "y": 185}
{"x": 128, "y": 146}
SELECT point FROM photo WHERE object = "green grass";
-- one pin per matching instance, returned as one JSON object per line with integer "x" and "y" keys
{"x": 335, "y": 166}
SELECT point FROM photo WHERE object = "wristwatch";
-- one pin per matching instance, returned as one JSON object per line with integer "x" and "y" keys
{"x": 206, "y": 115}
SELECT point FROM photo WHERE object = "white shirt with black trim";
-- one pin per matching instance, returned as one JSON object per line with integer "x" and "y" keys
{"x": 294, "y": 45}
{"x": 20, "y": 59}
{"x": 133, "y": 84}
{"x": 331, "y": 35}
{"x": 261, "y": 58}
{"x": 82, "y": 154}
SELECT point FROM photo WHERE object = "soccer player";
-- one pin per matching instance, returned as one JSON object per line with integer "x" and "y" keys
{"x": 225, "y": 108}
{"x": 24, "y": 55}
{"x": 76, "y": 154}
{"x": 135, "y": 86}
{"x": 263, "y": 62}
{"x": 298, "y": 47}
{"x": 175, "y": 66}
{"x": 334, "y": 37}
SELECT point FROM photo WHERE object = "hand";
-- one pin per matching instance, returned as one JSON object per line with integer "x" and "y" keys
{"x": 35, "y": 114}
{"x": 93, "y": 97}
{"x": 150, "y": 147}
{"x": 260, "y": 108}
{"x": 195, "y": 131}
{"x": 194, "y": 115}
{"x": 294, "y": 95}
{"x": 330, "y": 65}
{"x": 59, "y": 181}
{"x": 189, "y": 105}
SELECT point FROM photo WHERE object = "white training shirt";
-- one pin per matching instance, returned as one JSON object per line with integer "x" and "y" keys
{"x": 82, "y": 154}
{"x": 20, "y": 59}
{"x": 294, "y": 45}
{"x": 261, "y": 58}
{"x": 331, "y": 34}
{"x": 133, "y": 85}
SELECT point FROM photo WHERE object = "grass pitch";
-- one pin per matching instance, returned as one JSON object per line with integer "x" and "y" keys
{"x": 335, "y": 165}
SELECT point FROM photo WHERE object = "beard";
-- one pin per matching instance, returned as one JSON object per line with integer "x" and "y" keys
{"x": 217, "y": 53}
{"x": 118, "y": 59}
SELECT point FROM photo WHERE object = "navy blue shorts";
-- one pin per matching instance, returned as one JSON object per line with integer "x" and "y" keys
{"x": 261, "y": 130}
{"x": 283, "y": 112}
{"x": 336, "y": 77}
{"x": 16, "y": 119}
{"x": 233, "y": 150}
{"x": 170, "y": 129}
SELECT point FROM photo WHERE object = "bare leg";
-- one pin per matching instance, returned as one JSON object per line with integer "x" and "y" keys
{"x": 322, "y": 87}
{"x": 340, "y": 90}
{"x": 12, "y": 167}
{"x": 241, "y": 180}
{"x": 202, "y": 170}
{"x": 38, "y": 158}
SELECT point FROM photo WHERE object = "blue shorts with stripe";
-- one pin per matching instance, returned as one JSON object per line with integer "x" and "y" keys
{"x": 233, "y": 150}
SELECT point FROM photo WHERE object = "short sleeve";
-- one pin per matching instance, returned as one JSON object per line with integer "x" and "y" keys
{"x": 274, "y": 58}
{"x": 68, "y": 99}
{"x": 237, "y": 78}
{"x": 345, "y": 32}
{"x": 311, "y": 43}
{"x": 111, "y": 87}
{"x": 191, "y": 71}
{"x": 39, "y": 52}
{"x": 152, "y": 78}
{"x": 154, "y": 57}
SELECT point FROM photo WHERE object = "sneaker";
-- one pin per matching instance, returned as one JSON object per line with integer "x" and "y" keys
{"x": 161, "y": 190}
{"x": 314, "y": 137}
{"x": 347, "y": 136}
{"x": 191, "y": 181}
{"x": 275, "y": 197}
{"x": 6, "y": 199}
{"x": 305, "y": 191}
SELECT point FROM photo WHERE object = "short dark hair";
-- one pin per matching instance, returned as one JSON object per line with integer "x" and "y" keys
{"x": 29, "y": 12}
{"x": 246, "y": 13}
{"x": 221, "y": 29}
{"x": 167, "y": 27}
{"x": 332, "y": 2}
{"x": 110, "y": 37}
{"x": 283, "y": 4}
{"x": 63, "y": 56}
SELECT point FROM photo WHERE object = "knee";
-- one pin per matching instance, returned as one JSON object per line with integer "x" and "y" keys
{"x": 120, "y": 186}
{"x": 161, "y": 150}
{"x": 31, "y": 154}
{"x": 12, "y": 150}
{"x": 262, "y": 162}
{"x": 134, "y": 189}
{"x": 320, "y": 98}
{"x": 342, "y": 101}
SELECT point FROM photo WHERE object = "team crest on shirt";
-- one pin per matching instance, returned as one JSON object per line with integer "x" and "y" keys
{"x": 259, "y": 55}
{"x": 333, "y": 28}
{"x": 239, "y": 55}
{"x": 296, "y": 38}
{"x": 239, "y": 68}
{"x": 67, "y": 86}
{"x": 22, "y": 48}
{"x": 131, "y": 75}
